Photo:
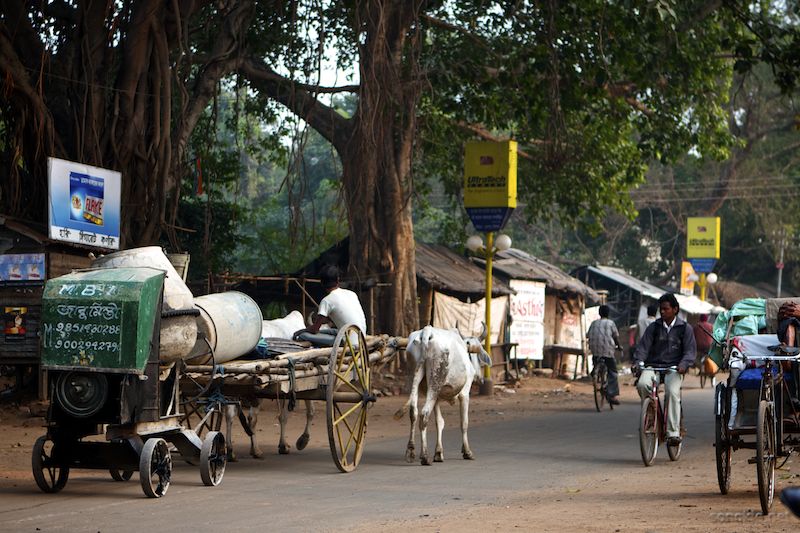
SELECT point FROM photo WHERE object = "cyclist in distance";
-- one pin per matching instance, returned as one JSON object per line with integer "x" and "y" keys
{"x": 669, "y": 341}
{"x": 603, "y": 340}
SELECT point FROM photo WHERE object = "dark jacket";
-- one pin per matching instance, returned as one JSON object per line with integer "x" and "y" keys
{"x": 656, "y": 348}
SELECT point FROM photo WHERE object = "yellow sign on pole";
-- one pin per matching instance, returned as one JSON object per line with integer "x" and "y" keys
{"x": 688, "y": 277}
{"x": 490, "y": 174}
{"x": 703, "y": 237}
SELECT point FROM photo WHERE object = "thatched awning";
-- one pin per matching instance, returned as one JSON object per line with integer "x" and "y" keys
{"x": 446, "y": 271}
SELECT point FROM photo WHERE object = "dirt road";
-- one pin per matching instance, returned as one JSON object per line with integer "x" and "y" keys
{"x": 546, "y": 461}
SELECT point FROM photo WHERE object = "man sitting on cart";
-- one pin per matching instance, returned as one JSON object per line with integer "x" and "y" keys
{"x": 669, "y": 341}
{"x": 339, "y": 308}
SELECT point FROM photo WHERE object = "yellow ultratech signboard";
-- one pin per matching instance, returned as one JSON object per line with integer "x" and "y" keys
{"x": 702, "y": 237}
{"x": 490, "y": 174}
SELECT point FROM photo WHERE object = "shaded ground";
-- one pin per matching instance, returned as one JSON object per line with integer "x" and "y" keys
{"x": 617, "y": 495}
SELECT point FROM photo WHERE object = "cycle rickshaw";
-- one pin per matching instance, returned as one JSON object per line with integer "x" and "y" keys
{"x": 754, "y": 410}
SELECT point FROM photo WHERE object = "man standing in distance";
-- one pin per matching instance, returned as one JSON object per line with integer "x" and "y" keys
{"x": 669, "y": 341}
{"x": 652, "y": 309}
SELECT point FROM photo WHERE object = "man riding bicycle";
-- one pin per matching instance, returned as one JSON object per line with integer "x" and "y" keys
{"x": 603, "y": 340}
{"x": 669, "y": 341}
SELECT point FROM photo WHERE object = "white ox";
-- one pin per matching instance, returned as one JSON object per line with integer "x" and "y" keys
{"x": 279, "y": 328}
{"x": 449, "y": 364}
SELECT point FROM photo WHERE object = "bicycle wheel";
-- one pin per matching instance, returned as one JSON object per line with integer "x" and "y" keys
{"x": 765, "y": 454}
{"x": 599, "y": 383}
{"x": 648, "y": 431}
{"x": 674, "y": 451}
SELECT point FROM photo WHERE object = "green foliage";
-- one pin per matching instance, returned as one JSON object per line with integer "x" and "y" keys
{"x": 593, "y": 91}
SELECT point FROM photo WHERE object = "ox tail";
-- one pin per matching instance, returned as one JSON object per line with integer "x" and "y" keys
{"x": 403, "y": 410}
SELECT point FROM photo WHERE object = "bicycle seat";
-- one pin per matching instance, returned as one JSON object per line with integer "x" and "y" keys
{"x": 780, "y": 349}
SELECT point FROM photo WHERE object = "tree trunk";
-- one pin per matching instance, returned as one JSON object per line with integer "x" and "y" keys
{"x": 376, "y": 149}
{"x": 106, "y": 99}
{"x": 376, "y": 163}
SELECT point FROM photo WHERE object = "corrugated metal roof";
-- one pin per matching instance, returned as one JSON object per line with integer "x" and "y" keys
{"x": 517, "y": 264}
{"x": 622, "y": 277}
{"x": 448, "y": 272}
{"x": 690, "y": 304}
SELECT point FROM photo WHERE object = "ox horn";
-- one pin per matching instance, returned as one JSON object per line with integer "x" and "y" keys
{"x": 484, "y": 332}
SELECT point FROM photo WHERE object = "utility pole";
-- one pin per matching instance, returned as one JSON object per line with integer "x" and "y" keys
{"x": 782, "y": 235}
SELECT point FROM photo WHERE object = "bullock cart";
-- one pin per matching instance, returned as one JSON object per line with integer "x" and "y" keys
{"x": 102, "y": 347}
{"x": 340, "y": 376}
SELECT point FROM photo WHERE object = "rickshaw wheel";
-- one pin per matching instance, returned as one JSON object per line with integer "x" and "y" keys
{"x": 765, "y": 454}
{"x": 722, "y": 449}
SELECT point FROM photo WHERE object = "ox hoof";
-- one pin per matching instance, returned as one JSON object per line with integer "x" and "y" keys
{"x": 283, "y": 449}
{"x": 438, "y": 457}
{"x": 468, "y": 456}
{"x": 302, "y": 441}
{"x": 410, "y": 455}
{"x": 425, "y": 460}
{"x": 232, "y": 457}
{"x": 257, "y": 454}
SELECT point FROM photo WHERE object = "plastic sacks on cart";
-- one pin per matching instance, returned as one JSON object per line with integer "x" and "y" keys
{"x": 748, "y": 316}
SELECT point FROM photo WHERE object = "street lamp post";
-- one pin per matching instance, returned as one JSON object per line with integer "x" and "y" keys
{"x": 704, "y": 280}
{"x": 475, "y": 245}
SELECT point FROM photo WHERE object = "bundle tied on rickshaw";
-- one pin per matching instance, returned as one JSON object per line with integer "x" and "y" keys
{"x": 745, "y": 317}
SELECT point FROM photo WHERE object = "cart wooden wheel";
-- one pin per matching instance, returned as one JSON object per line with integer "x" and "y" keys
{"x": 765, "y": 454}
{"x": 120, "y": 475}
{"x": 213, "y": 458}
{"x": 49, "y": 477}
{"x": 348, "y": 397}
{"x": 155, "y": 468}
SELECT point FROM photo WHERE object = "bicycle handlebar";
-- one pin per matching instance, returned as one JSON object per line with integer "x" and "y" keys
{"x": 673, "y": 368}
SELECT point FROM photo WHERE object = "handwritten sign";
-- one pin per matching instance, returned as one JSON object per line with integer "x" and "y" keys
{"x": 89, "y": 331}
{"x": 101, "y": 319}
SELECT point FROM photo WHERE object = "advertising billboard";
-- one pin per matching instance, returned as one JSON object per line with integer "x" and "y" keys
{"x": 527, "y": 319}
{"x": 22, "y": 267}
{"x": 490, "y": 183}
{"x": 702, "y": 238}
{"x": 84, "y": 204}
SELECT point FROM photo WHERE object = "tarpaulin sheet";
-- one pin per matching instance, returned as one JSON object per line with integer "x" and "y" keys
{"x": 748, "y": 318}
{"x": 449, "y": 312}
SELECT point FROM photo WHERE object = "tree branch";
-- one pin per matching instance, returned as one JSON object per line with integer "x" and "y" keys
{"x": 324, "y": 119}
{"x": 485, "y": 134}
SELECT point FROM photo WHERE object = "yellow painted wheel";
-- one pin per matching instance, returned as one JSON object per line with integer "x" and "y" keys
{"x": 348, "y": 397}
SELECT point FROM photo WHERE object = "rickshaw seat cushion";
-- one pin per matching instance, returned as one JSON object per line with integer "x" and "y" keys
{"x": 750, "y": 378}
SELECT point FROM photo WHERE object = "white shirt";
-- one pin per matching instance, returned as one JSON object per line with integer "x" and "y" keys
{"x": 669, "y": 326}
{"x": 343, "y": 307}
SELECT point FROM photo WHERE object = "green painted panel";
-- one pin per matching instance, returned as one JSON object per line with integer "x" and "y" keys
{"x": 100, "y": 319}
